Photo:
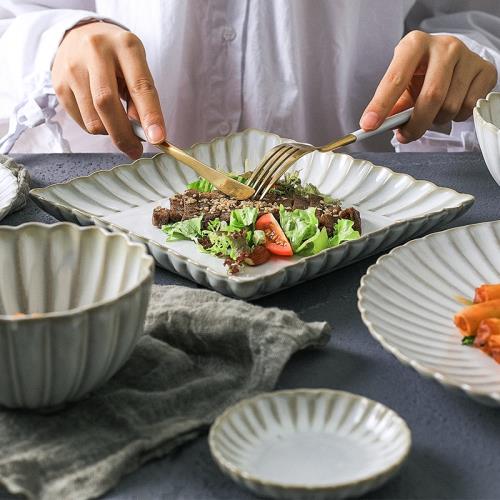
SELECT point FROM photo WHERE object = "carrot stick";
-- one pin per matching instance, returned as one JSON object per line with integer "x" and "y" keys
{"x": 468, "y": 319}
{"x": 487, "y": 328}
{"x": 487, "y": 292}
{"x": 494, "y": 347}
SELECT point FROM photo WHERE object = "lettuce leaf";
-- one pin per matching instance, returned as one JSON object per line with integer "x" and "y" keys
{"x": 298, "y": 225}
{"x": 189, "y": 229}
{"x": 259, "y": 237}
{"x": 243, "y": 217}
{"x": 201, "y": 185}
{"x": 314, "y": 244}
{"x": 204, "y": 186}
{"x": 343, "y": 231}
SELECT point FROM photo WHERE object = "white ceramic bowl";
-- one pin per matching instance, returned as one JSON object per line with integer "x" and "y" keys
{"x": 83, "y": 293}
{"x": 487, "y": 123}
{"x": 309, "y": 443}
{"x": 8, "y": 190}
{"x": 409, "y": 297}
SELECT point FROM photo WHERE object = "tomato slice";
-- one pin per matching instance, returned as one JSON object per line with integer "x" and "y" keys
{"x": 276, "y": 241}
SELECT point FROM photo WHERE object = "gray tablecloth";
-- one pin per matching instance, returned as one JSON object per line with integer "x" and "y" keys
{"x": 456, "y": 441}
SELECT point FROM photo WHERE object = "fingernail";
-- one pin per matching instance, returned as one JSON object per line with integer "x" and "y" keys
{"x": 155, "y": 134}
{"x": 370, "y": 120}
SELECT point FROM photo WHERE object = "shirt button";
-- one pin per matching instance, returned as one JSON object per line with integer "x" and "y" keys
{"x": 224, "y": 128}
{"x": 228, "y": 34}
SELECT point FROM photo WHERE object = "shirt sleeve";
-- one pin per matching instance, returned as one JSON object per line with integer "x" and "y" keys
{"x": 480, "y": 32}
{"x": 29, "y": 38}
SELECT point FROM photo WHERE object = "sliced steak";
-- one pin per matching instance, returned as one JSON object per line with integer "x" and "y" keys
{"x": 352, "y": 214}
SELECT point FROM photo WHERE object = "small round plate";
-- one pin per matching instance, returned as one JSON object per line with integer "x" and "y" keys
{"x": 8, "y": 190}
{"x": 309, "y": 443}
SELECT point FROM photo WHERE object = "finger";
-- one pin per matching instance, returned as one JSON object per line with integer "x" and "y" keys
{"x": 434, "y": 90}
{"x": 407, "y": 56}
{"x": 92, "y": 123}
{"x": 404, "y": 102}
{"x": 482, "y": 84}
{"x": 67, "y": 100}
{"x": 140, "y": 85}
{"x": 106, "y": 100}
{"x": 463, "y": 75}
{"x": 132, "y": 111}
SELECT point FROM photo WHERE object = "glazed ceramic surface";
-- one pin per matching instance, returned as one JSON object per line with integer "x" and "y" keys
{"x": 72, "y": 307}
{"x": 487, "y": 123}
{"x": 394, "y": 207}
{"x": 409, "y": 297}
{"x": 8, "y": 190}
{"x": 309, "y": 443}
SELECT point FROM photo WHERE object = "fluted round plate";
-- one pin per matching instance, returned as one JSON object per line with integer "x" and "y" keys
{"x": 409, "y": 297}
{"x": 309, "y": 443}
{"x": 394, "y": 207}
{"x": 8, "y": 190}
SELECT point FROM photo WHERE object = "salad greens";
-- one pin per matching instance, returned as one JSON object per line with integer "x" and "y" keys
{"x": 468, "y": 340}
{"x": 302, "y": 230}
{"x": 236, "y": 241}
{"x": 292, "y": 184}
{"x": 204, "y": 186}
{"x": 189, "y": 229}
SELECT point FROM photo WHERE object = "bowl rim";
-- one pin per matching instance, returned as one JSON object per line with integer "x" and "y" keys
{"x": 232, "y": 469}
{"x": 479, "y": 118}
{"x": 10, "y": 318}
{"x": 423, "y": 370}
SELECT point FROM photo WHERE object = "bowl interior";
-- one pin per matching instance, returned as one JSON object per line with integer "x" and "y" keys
{"x": 55, "y": 268}
{"x": 310, "y": 438}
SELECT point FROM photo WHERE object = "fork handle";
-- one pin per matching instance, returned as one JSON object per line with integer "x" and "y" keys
{"x": 389, "y": 123}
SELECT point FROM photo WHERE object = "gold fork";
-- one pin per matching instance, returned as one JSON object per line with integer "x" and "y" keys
{"x": 220, "y": 180}
{"x": 280, "y": 158}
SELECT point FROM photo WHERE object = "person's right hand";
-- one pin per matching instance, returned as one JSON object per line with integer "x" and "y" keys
{"x": 96, "y": 65}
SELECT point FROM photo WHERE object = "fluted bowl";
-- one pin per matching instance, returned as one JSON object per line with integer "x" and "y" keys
{"x": 72, "y": 307}
{"x": 487, "y": 123}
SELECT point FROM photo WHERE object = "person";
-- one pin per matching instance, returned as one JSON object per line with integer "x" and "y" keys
{"x": 191, "y": 70}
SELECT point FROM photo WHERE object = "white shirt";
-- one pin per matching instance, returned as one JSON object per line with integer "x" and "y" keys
{"x": 304, "y": 69}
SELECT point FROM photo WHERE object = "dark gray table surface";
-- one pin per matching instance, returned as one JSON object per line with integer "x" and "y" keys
{"x": 456, "y": 442}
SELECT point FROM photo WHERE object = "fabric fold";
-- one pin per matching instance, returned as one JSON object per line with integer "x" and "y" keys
{"x": 202, "y": 353}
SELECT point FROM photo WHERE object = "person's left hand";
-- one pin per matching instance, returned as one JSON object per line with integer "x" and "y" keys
{"x": 438, "y": 75}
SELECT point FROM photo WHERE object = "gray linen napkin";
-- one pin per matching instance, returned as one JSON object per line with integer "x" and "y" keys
{"x": 22, "y": 177}
{"x": 203, "y": 352}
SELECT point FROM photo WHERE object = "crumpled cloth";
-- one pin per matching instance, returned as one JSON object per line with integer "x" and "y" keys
{"x": 22, "y": 176}
{"x": 202, "y": 352}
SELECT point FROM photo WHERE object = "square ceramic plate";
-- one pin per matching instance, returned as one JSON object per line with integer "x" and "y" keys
{"x": 394, "y": 208}
{"x": 413, "y": 317}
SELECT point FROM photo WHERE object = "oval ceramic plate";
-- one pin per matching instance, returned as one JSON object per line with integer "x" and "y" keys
{"x": 394, "y": 207}
{"x": 409, "y": 297}
{"x": 8, "y": 190}
{"x": 309, "y": 443}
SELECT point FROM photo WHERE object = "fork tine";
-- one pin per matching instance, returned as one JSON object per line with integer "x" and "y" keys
{"x": 271, "y": 169}
{"x": 268, "y": 160}
{"x": 263, "y": 189}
